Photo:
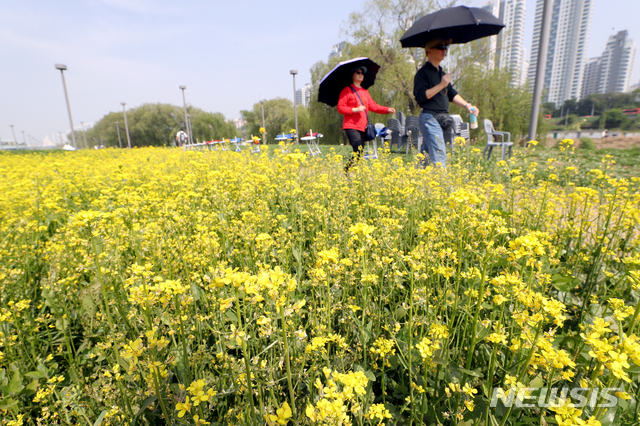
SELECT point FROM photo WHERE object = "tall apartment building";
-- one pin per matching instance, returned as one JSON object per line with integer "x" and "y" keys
{"x": 303, "y": 95}
{"x": 507, "y": 49}
{"x": 337, "y": 50}
{"x": 568, "y": 39}
{"x": 591, "y": 78}
{"x": 610, "y": 72}
{"x": 617, "y": 61}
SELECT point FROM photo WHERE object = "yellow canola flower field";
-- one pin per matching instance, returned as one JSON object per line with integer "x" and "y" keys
{"x": 162, "y": 287}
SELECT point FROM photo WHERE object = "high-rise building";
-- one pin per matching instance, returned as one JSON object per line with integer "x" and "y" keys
{"x": 303, "y": 95}
{"x": 493, "y": 7}
{"x": 337, "y": 50}
{"x": 568, "y": 39}
{"x": 617, "y": 60}
{"x": 506, "y": 51}
{"x": 591, "y": 78}
{"x": 610, "y": 72}
{"x": 239, "y": 123}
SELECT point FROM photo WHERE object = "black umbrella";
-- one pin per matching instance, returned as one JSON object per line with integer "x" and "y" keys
{"x": 460, "y": 24}
{"x": 341, "y": 76}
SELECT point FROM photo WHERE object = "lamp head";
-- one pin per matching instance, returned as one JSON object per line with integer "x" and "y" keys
{"x": 123, "y": 103}
{"x": 183, "y": 87}
{"x": 61, "y": 67}
{"x": 293, "y": 72}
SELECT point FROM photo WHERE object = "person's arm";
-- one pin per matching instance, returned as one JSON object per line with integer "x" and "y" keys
{"x": 374, "y": 107}
{"x": 458, "y": 100}
{"x": 343, "y": 104}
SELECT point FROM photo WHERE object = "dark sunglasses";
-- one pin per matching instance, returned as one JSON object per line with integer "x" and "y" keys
{"x": 441, "y": 47}
{"x": 359, "y": 72}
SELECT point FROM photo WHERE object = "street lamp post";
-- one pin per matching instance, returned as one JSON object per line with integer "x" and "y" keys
{"x": 14, "y": 133}
{"x": 23, "y": 138}
{"x": 126, "y": 125}
{"x": 84, "y": 133}
{"x": 186, "y": 116}
{"x": 265, "y": 132}
{"x": 543, "y": 46}
{"x": 295, "y": 103}
{"x": 119, "y": 140}
{"x": 62, "y": 68}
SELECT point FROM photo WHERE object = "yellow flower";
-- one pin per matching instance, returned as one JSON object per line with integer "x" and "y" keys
{"x": 183, "y": 407}
{"x": 282, "y": 415}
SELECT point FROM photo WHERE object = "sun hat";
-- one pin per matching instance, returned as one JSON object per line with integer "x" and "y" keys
{"x": 436, "y": 42}
{"x": 359, "y": 67}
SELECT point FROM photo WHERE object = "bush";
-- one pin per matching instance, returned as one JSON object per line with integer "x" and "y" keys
{"x": 587, "y": 143}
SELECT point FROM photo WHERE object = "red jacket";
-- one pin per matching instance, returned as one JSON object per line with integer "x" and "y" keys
{"x": 349, "y": 100}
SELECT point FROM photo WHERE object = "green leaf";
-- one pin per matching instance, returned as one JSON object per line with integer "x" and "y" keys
{"x": 35, "y": 374}
{"x": 147, "y": 402}
{"x": 231, "y": 316}
{"x": 7, "y": 403}
{"x": 100, "y": 418}
{"x": 610, "y": 417}
{"x": 537, "y": 382}
{"x": 33, "y": 386}
{"x": 564, "y": 283}
{"x": 400, "y": 313}
{"x": 370, "y": 375}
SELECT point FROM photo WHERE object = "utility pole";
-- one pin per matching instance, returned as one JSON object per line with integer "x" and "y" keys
{"x": 543, "y": 46}
{"x": 62, "y": 68}
{"x": 265, "y": 131}
{"x": 126, "y": 125}
{"x": 84, "y": 133}
{"x": 295, "y": 103}
{"x": 119, "y": 140}
{"x": 186, "y": 116}
{"x": 14, "y": 133}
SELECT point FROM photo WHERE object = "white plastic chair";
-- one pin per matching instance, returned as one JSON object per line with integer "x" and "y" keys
{"x": 492, "y": 136}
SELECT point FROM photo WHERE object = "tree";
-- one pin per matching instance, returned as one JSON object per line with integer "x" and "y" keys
{"x": 157, "y": 125}
{"x": 277, "y": 112}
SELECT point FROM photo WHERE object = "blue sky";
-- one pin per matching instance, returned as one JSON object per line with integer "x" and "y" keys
{"x": 229, "y": 54}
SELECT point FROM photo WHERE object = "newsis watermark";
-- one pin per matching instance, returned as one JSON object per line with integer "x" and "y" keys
{"x": 530, "y": 397}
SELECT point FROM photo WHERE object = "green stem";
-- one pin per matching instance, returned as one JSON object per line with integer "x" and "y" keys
{"x": 288, "y": 363}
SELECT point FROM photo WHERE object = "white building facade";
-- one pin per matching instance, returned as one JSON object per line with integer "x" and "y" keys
{"x": 507, "y": 49}
{"x": 568, "y": 40}
{"x": 611, "y": 72}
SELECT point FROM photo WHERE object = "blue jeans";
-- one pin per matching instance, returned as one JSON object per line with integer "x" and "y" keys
{"x": 432, "y": 140}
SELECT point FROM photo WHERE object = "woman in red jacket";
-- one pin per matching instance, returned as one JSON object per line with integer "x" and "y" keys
{"x": 355, "y": 117}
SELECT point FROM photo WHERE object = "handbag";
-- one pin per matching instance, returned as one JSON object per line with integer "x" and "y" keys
{"x": 370, "y": 132}
{"x": 445, "y": 121}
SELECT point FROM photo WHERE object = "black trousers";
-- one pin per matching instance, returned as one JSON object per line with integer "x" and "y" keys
{"x": 356, "y": 139}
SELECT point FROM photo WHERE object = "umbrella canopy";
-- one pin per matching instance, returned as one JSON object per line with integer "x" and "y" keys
{"x": 340, "y": 77}
{"x": 460, "y": 24}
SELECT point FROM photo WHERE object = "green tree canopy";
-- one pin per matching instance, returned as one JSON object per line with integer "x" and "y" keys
{"x": 278, "y": 116}
{"x": 156, "y": 125}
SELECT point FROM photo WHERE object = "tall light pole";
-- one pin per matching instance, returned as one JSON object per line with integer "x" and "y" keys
{"x": 265, "y": 131}
{"x": 295, "y": 103}
{"x": 118, "y": 129}
{"x": 543, "y": 46}
{"x": 84, "y": 133}
{"x": 186, "y": 116}
{"x": 126, "y": 125}
{"x": 14, "y": 133}
{"x": 23, "y": 138}
{"x": 62, "y": 68}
